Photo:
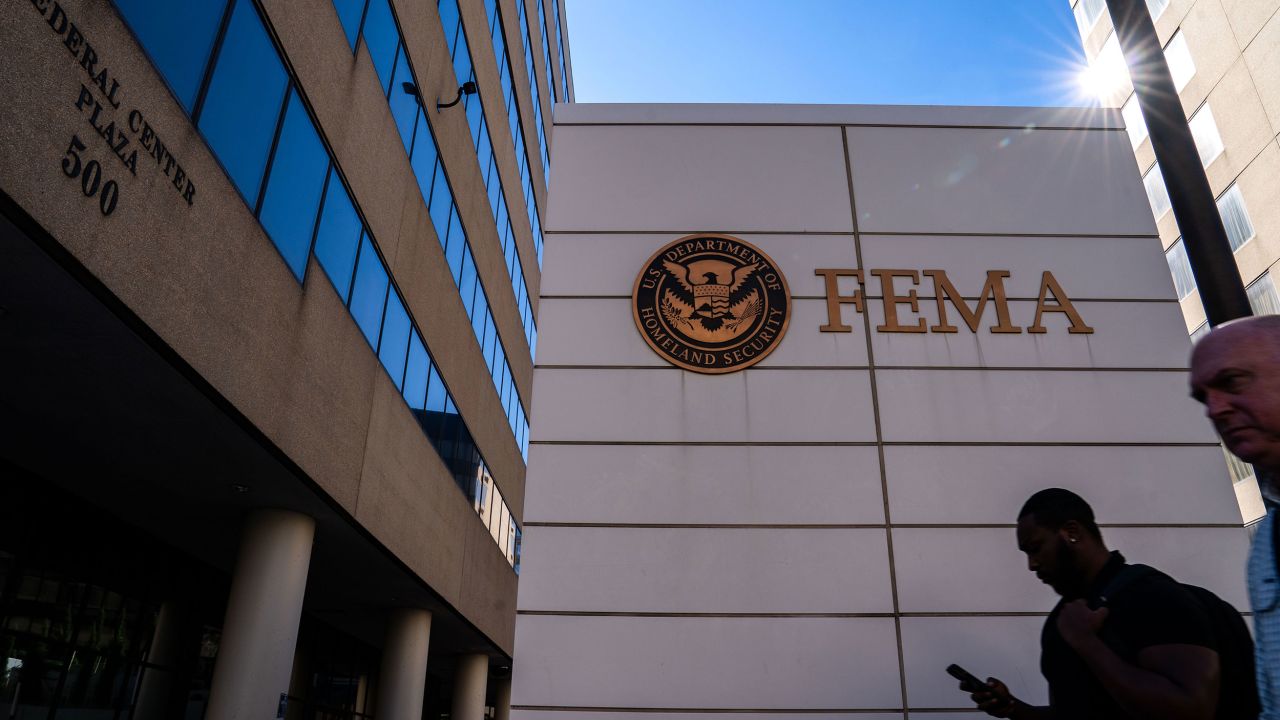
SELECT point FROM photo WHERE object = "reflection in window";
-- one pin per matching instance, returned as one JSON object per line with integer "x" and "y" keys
{"x": 1205, "y": 132}
{"x": 369, "y": 293}
{"x": 381, "y": 38}
{"x": 1157, "y": 193}
{"x": 1235, "y": 217}
{"x": 394, "y": 344}
{"x": 1199, "y": 332}
{"x": 179, "y": 56}
{"x": 1157, "y": 8}
{"x": 1180, "y": 267}
{"x": 294, "y": 186}
{"x": 1178, "y": 55}
{"x": 1087, "y": 13}
{"x": 338, "y": 236}
{"x": 239, "y": 113}
{"x": 1133, "y": 121}
{"x": 1262, "y": 296}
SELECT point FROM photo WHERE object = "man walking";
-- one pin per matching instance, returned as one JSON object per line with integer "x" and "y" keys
{"x": 1235, "y": 373}
{"x": 1125, "y": 641}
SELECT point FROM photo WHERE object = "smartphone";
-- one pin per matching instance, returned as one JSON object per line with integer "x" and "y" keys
{"x": 973, "y": 683}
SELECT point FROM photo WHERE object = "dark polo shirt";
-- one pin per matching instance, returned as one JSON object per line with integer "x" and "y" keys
{"x": 1153, "y": 609}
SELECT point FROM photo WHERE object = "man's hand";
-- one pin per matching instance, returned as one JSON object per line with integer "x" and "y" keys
{"x": 1079, "y": 625}
{"x": 994, "y": 699}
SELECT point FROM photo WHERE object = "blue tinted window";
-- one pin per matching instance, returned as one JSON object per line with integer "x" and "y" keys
{"x": 293, "y": 190}
{"x": 178, "y": 36}
{"x": 456, "y": 245}
{"x": 423, "y": 157}
{"x": 462, "y": 60}
{"x": 382, "y": 38}
{"x": 441, "y": 204}
{"x": 479, "y": 316}
{"x": 404, "y": 105}
{"x": 395, "y": 338}
{"x": 349, "y": 12}
{"x": 417, "y": 370}
{"x": 338, "y": 236}
{"x": 450, "y": 21}
{"x": 467, "y": 287}
{"x": 240, "y": 112}
{"x": 369, "y": 293}
{"x": 436, "y": 392}
{"x": 490, "y": 341}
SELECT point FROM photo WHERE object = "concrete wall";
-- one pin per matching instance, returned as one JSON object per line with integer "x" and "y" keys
{"x": 824, "y": 532}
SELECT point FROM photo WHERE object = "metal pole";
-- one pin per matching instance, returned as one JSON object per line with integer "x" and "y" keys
{"x": 1212, "y": 262}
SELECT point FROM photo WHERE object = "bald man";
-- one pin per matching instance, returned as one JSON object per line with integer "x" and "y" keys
{"x": 1235, "y": 373}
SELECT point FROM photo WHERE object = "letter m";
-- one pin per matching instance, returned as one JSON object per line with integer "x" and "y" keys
{"x": 992, "y": 290}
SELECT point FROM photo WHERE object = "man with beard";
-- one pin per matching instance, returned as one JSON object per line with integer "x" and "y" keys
{"x": 1125, "y": 641}
{"x": 1235, "y": 373}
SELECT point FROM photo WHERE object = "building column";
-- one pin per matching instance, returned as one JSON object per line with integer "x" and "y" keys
{"x": 155, "y": 692}
{"x": 260, "y": 632}
{"x": 402, "y": 681}
{"x": 469, "y": 685}
{"x": 502, "y": 699}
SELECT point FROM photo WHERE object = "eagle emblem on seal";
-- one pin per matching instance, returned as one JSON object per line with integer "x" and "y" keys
{"x": 705, "y": 307}
{"x": 711, "y": 303}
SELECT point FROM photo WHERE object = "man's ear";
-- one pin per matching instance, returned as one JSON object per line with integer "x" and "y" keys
{"x": 1071, "y": 532}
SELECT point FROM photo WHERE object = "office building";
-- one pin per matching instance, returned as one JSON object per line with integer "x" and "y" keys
{"x": 799, "y": 368}
{"x": 268, "y": 286}
{"x": 1223, "y": 57}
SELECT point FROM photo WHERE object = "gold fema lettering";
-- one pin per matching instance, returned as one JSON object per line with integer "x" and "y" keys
{"x": 992, "y": 290}
{"x": 892, "y": 300}
{"x": 830, "y": 276}
{"x": 1062, "y": 304}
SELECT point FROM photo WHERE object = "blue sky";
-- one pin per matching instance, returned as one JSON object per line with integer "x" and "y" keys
{"x": 943, "y": 52}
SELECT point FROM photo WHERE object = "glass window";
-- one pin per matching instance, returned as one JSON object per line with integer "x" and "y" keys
{"x": 1087, "y": 13}
{"x": 1262, "y": 296}
{"x": 437, "y": 395}
{"x": 1133, "y": 122}
{"x": 1157, "y": 194}
{"x": 423, "y": 157}
{"x": 441, "y": 205}
{"x": 451, "y": 21}
{"x": 244, "y": 100}
{"x": 417, "y": 371}
{"x": 395, "y": 338}
{"x": 338, "y": 236}
{"x": 1199, "y": 332}
{"x": 1180, "y": 268}
{"x": 349, "y": 13}
{"x": 294, "y": 187}
{"x": 404, "y": 104}
{"x": 369, "y": 292}
{"x": 467, "y": 286}
{"x": 382, "y": 38}
{"x": 1235, "y": 217}
{"x": 456, "y": 245}
{"x": 1178, "y": 55}
{"x": 478, "y": 317}
{"x": 1157, "y": 8}
{"x": 1205, "y": 132}
{"x": 179, "y": 37}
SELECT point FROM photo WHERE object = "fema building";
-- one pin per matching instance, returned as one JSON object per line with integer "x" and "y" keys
{"x": 269, "y": 280}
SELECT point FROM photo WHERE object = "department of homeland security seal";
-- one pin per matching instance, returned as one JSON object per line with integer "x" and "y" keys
{"x": 711, "y": 303}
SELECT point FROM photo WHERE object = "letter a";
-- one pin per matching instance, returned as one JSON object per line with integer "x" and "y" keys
{"x": 1062, "y": 304}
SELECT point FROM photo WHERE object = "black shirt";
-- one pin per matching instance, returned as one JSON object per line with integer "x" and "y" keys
{"x": 1153, "y": 609}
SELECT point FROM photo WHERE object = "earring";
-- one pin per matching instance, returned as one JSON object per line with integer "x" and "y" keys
{"x": 1072, "y": 539}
